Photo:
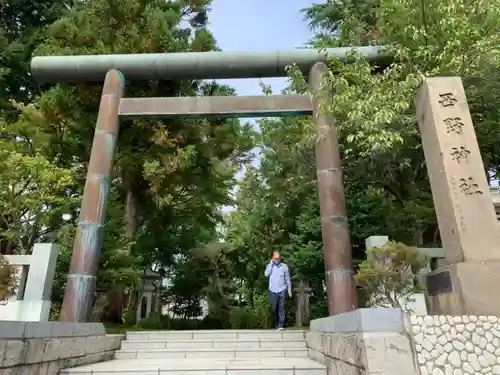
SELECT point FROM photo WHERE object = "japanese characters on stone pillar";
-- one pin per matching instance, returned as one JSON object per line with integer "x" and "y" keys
{"x": 466, "y": 216}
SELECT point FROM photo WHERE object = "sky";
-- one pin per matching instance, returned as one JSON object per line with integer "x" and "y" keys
{"x": 258, "y": 25}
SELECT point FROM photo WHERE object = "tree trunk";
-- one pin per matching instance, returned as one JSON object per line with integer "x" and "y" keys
{"x": 251, "y": 294}
{"x": 116, "y": 296}
{"x": 131, "y": 222}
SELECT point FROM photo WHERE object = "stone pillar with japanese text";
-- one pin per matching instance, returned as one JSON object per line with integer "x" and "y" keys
{"x": 470, "y": 235}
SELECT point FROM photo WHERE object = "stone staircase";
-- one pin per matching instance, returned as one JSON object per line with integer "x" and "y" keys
{"x": 217, "y": 352}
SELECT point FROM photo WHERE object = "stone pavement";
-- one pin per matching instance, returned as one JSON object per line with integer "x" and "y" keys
{"x": 217, "y": 352}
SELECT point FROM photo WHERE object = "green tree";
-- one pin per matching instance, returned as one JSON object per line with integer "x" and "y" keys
{"x": 22, "y": 26}
{"x": 385, "y": 178}
{"x": 166, "y": 171}
{"x": 33, "y": 192}
{"x": 375, "y": 111}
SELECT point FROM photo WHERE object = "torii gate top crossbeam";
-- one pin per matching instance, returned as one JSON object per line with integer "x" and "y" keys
{"x": 190, "y": 65}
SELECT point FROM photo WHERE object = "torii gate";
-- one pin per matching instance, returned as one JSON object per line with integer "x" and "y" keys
{"x": 114, "y": 69}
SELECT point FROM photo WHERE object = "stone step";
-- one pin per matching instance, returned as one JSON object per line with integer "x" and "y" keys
{"x": 216, "y": 335}
{"x": 211, "y": 353}
{"x": 213, "y": 344}
{"x": 235, "y": 366}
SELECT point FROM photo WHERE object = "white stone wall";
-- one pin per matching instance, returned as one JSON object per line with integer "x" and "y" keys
{"x": 457, "y": 345}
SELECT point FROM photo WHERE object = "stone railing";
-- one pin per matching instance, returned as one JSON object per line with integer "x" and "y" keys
{"x": 45, "y": 348}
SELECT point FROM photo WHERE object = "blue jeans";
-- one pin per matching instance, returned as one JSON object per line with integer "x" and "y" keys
{"x": 277, "y": 301}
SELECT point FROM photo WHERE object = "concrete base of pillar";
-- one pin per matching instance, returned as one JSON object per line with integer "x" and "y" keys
{"x": 362, "y": 320}
{"x": 361, "y": 342}
{"x": 464, "y": 289}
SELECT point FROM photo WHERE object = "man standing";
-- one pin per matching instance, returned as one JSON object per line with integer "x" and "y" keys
{"x": 279, "y": 284}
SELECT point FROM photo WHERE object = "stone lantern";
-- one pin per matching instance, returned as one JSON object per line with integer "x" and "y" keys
{"x": 148, "y": 298}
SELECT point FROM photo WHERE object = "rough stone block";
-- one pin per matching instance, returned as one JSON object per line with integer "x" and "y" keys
{"x": 388, "y": 354}
{"x": 52, "y": 349}
{"x": 80, "y": 347}
{"x": 336, "y": 367}
{"x": 327, "y": 348}
{"x": 344, "y": 347}
{"x": 67, "y": 347}
{"x": 68, "y": 362}
{"x": 362, "y": 320}
{"x": 14, "y": 353}
{"x": 3, "y": 344}
{"x": 314, "y": 340}
{"x": 115, "y": 341}
{"x": 95, "y": 358}
{"x": 44, "y": 356}
{"x": 22, "y": 370}
{"x": 317, "y": 356}
{"x": 34, "y": 349}
{"x": 52, "y": 368}
{"x": 95, "y": 344}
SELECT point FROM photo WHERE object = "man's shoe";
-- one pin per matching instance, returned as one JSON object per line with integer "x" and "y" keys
{"x": 280, "y": 329}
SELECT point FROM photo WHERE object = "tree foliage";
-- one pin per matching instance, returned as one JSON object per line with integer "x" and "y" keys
{"x": 8, "y": 280}
{"x": 385, "y": 177}
{"x": 171, "y": 177}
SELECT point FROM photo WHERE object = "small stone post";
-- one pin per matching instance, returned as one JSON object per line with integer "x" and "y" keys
{"x": 302, "y": 294}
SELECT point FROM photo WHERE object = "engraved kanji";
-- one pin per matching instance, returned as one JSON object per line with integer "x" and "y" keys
{"x": 469, "y": 187}
{"x": 460, "y": 153}
{"x": 454, "y": 125}
{"x": 447, "y": 100}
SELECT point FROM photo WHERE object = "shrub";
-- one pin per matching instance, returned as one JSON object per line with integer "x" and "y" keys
{"x": 217, "y": 320}
{"x": 156, "y": 321}
{"x": 388, "y": 275}
{"x": 260, "y": 315}
{"x": 318, "y": 307}
{"x": 248, "y": 318}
